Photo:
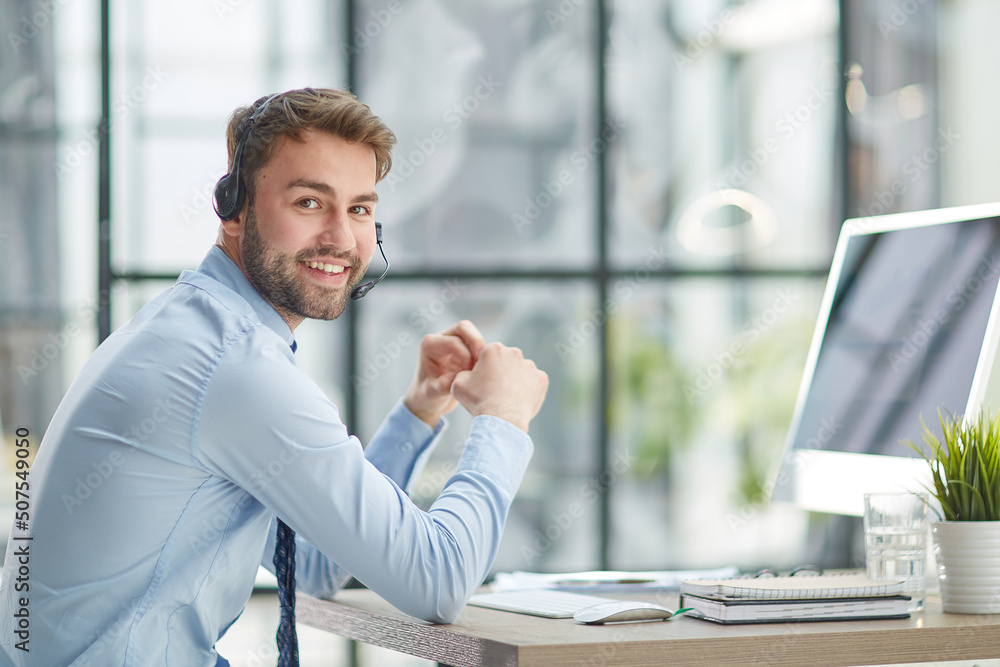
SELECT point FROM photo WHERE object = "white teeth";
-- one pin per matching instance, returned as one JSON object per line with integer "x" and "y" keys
{"x": 327, "y": 268}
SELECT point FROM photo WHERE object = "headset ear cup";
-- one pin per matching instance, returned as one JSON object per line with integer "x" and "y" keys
{"x": 230, "y": 191}
{"x": 228, "y": 196}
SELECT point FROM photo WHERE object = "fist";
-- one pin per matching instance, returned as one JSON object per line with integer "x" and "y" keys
{"x": 502, "y": 383}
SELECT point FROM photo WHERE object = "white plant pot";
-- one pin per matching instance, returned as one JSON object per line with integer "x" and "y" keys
{"x": 968, "y": 562}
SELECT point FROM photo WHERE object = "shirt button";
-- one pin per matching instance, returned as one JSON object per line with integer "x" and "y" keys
{"x": 406, "y": 446}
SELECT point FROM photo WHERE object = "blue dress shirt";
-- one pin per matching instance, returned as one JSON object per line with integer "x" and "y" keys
{"x": 156, "y": 487}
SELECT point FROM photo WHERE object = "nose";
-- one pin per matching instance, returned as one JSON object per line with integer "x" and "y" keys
{"x": 337, "y": 232}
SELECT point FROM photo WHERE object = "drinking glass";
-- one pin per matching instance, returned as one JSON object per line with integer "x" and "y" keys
{"x": 896, "y": 541}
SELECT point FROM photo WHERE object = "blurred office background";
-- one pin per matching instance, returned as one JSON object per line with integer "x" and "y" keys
{"x": 643, "y": 195}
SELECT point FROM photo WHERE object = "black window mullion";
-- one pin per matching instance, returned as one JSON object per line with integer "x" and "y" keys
{"x": 105, "y": 276}
{"x": 601, "y": 278}
{"x": 351, "y": 352}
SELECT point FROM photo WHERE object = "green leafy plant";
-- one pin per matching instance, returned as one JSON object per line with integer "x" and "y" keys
{"x": 965, "y": 467}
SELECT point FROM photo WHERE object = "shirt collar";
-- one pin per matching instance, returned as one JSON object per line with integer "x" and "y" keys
{"x": 219, "y": 267}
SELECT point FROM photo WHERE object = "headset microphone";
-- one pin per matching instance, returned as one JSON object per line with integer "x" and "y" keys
{"x": 361, "y": 290}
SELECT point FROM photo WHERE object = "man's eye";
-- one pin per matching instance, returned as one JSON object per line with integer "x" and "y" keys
{"x": 359, "y": 210}
{"x": 308, "y": 202}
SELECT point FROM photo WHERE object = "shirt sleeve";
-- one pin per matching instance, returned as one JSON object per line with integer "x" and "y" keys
{"x": 399, "y": 449}
{"x": 267, "y": 427}
{"x": 402, "y": 445}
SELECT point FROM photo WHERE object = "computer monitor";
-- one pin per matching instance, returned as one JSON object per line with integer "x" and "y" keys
{"x": 907, "y": 326}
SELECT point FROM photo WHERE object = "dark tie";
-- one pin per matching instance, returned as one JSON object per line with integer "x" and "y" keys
{"x": 284, "y": 569}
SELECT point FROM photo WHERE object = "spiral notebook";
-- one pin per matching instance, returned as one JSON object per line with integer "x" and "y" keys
{"x": 733, "y": 611}
{"x": 824, "y": 586}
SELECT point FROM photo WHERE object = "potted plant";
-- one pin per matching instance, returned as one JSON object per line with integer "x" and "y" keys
{"x": 965, "y": 474}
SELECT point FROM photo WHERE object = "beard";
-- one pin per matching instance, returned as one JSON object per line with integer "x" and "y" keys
{"x": 275, "y": 276}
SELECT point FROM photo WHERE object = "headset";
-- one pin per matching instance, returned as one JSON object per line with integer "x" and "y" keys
{"x": 230, "y": 192}
{"x": 361, "y": 290}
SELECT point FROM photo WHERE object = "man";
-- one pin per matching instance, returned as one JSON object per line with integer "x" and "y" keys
{"x": 159, "y": 485}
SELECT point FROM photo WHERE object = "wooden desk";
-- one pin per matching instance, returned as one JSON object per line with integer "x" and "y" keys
{"x": 501, "y": 639}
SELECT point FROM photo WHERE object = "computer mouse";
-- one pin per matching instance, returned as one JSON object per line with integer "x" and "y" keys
{"x": 617, "y": 611}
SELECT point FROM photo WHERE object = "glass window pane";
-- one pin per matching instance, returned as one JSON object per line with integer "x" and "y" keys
{"x": 704, "y": 375}
{"x": 893, "y": 117}
{"x": 728, "y": 118}
{"x": 199, "y": 60}
{"x": 486, "y": 172}
{"x": 179, "y": 175}
{"x": 968, "y": 56}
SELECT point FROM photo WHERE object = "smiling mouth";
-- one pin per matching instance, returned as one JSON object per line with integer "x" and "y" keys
{"x": 328, "y": 269}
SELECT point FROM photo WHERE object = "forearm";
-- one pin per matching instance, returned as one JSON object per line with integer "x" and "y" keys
{"x": 399, "y": 449}
{"x": 402, "y": 445}
{"x": 428, "y": 563}
{"x": 455, "y": 546}
{"x": 493, "y": 463}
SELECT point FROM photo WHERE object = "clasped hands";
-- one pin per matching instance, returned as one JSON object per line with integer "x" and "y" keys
{"x": 456, "y": 367}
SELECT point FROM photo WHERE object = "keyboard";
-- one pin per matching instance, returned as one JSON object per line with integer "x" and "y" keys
{"x": 537, "y": 602}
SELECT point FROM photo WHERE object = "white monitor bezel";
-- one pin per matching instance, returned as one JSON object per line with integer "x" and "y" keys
{"x": 835, "y": 482}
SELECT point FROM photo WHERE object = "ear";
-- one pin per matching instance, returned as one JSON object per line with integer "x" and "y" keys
{"x": 234, "y": 227}
{"x": 230, "y": 235}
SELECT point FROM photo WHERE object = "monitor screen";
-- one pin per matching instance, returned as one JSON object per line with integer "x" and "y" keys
{"x": 906, "y": 329}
